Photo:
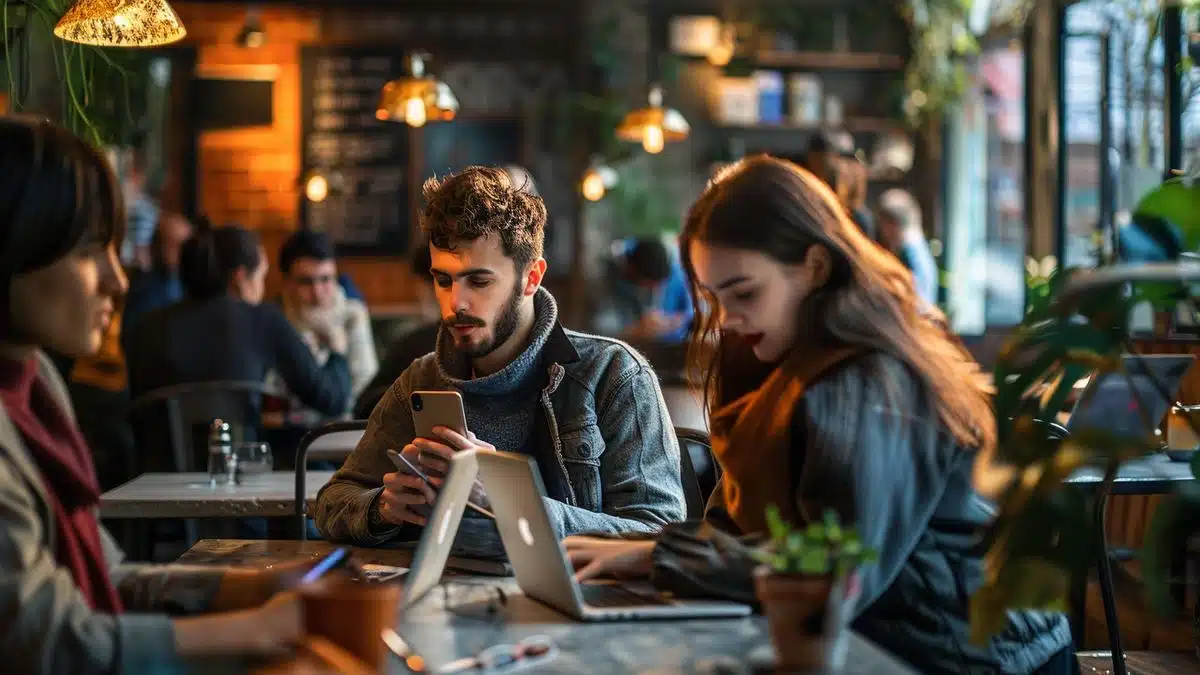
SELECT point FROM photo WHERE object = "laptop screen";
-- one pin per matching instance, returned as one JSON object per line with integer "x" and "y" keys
{"x": 1112, "y": 406}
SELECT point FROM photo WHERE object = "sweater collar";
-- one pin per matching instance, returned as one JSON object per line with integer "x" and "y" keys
{"x": 546, "y": 342}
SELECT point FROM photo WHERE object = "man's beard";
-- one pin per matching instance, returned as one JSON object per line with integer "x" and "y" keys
{"x": 506, "y": 325}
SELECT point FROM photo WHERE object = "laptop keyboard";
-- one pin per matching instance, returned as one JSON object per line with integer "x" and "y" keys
{"x": 606, "y": 596}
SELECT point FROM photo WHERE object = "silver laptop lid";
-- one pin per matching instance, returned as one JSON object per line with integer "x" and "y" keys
{"x": 539, "y": 563}
{"x": 429, "y": 560}
{"x": 1108, "y": 402}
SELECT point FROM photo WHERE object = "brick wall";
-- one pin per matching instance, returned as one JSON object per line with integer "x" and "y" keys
{"x": 250, "y": 176}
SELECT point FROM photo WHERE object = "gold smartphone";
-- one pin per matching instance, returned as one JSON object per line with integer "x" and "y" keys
{"x": 437, "y": 409}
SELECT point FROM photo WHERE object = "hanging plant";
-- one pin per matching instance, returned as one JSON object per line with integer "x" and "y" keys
{"x": 100, "y": 87}
{"x": 937, "y": 68}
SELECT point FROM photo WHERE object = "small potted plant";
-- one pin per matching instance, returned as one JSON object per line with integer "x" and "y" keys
{"x": 805, "y": 583}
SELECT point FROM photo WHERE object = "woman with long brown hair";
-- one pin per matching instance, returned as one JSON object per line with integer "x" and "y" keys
{"x": 829, "y": 386}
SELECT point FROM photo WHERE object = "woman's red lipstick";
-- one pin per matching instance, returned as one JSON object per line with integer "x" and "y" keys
{"x": 754, "y": 339}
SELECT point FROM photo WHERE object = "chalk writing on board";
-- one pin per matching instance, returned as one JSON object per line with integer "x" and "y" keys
{"x": 342, "y": 134}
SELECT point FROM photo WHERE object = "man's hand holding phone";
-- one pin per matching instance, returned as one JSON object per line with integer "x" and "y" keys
{"x": 434, "y": 457}
{"x": 406, "y": 497}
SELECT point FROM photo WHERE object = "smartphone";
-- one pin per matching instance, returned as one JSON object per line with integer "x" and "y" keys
{"x": 437, "y": 409}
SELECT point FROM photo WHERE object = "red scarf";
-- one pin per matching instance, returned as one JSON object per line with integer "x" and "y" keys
{"x": 70, "y": 479}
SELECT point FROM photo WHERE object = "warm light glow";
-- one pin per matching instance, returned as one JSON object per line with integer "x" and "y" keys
{"x": 593, "y": 186}
{"x": 316, "y": 189}
{"x": 722, "y": 52}
{"x": 414, "y": 112}
{"x": 652, "y": 139}
{"x": 120, "y": 23}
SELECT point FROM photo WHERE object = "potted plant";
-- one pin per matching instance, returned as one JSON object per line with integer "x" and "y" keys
{"x": 805, "y": 583}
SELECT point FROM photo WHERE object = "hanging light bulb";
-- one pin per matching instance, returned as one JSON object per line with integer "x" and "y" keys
{"x": 653, "y": 126}
{"x": 652, "y": 139}
{"x": 316, "y": 188}
{"x": 599, "y": 179}
{"x": 414, "y": 112}
{"x": 318, "y": 185}
{"x": 121, "y": 23}
{"x": 417, "y": 98}
{"x": 593, "y": 186}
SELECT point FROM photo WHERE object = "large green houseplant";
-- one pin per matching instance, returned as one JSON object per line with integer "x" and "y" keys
{"x": 1079, "y": 325}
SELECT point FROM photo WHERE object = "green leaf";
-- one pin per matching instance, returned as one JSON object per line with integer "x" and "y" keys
{"x": 775, "y": 525}
{"x": 814, "y": 561}
{"x": 1177, "y": 203}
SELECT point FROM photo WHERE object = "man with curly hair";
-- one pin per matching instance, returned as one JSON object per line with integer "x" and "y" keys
{"x": 587, "y": 409}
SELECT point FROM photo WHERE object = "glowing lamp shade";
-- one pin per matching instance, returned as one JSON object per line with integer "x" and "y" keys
{"x": 654, "y": 126}
{"x": 121, "y": 23}
{"x": 416, "y": 99}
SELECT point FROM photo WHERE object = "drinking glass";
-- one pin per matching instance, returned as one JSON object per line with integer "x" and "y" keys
{"x": 253, "y": 458}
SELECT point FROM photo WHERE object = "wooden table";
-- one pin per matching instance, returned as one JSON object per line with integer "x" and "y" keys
{"x": 454, "y": 621}
{"x": 190, "y": 495}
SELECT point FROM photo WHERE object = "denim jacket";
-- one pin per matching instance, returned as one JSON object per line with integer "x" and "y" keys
{"x": 601, "y": 423}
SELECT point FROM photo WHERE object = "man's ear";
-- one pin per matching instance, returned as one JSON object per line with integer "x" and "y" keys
{"x": 533, "y": 278}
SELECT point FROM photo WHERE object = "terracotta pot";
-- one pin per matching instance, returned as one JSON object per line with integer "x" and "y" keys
{"x": 797, "y": 608}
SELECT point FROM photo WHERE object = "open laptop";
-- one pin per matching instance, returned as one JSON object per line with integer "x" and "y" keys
{"x": 437, "y": 537}
{"x": 543, "y": 572}
{"x": 1108, "y": 402}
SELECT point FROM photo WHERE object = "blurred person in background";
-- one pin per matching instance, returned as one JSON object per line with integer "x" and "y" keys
{"x": 222, "y": 330}
{"x": 70, "y": 602}
{"x": 647, "y": 297}
{"x": 312, "y": 299}
{"x": 900, "y": 232}
{"x": 142, "y": 212}
{"x": 158, "y": 285}
{"x": 829, "y": 388}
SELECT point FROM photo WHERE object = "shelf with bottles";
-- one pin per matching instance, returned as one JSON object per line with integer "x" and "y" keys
{"x": 778, "y": 59}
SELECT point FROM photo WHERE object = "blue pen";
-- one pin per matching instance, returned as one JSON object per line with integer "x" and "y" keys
{"x": 325, "y": 565}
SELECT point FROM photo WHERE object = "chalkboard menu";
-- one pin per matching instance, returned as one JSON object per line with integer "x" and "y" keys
{"x": 340, "y": 90}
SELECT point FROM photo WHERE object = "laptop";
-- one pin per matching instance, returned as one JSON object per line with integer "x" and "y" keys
{"x": 437, "y": 537}
{"x": 540, "y": 564}
{"x": 1108, "y": 402}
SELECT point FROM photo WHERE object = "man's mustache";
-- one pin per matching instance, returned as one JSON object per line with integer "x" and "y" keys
{"x": 461, "y": 319}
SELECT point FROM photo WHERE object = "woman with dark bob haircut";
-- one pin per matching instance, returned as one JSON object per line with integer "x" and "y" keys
{"x": 69, "y": 603}
{"x": 830, "y": 386}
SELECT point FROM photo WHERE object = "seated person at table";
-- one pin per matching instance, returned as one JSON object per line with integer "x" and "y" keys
{"x": 313, "y": 299}
{"x": 159, "y": 284}
{"x": 411, "y": 346}
{"x": 828, "y": 389}
{"x": 69, "y": 602}
{"x": 588, "y": 409}
{"x": 223, "y": 331}
{"x": 648, "y": 293}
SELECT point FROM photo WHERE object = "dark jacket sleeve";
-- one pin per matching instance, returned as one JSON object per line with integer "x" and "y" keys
{"x": 878, "y": 465}
{"x": 325, "y": 389}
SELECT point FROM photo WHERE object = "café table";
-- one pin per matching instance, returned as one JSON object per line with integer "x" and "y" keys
{"x": 467, "y": 615}
{"x": 191, "y": 495}
{"x": 1154, "y": 474}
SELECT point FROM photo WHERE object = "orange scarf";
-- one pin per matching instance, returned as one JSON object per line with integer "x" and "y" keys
{"x": 752, "y": 440}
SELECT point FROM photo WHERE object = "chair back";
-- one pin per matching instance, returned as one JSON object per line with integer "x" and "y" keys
{"x": 179, "y": 416}
{"x": 699, "y": 470}
{"x": 343, "y": 428}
